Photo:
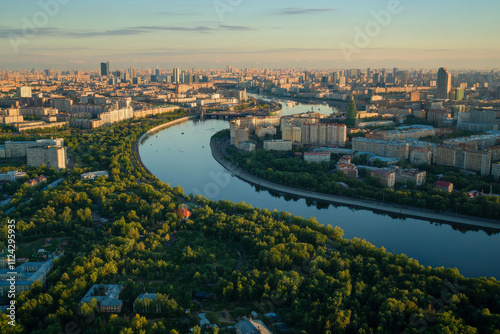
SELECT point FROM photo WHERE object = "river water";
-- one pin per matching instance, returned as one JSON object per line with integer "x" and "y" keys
{"x": 180, "y": 155}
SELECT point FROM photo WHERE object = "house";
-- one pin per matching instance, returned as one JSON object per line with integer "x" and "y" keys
{"x": 106, "y": 296}
{"x": 204, "y": 322}
{"x": 444, "y": 186}
{"x": 94, "y": 175}
{"x": 347, "y": 167}
{"x": 474, "y": 194}
{"x": 184, "y": 213}
{"x": 37, "y": 181}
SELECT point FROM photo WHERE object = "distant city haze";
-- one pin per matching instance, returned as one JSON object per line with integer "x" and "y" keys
{"x": 65, "y": 34}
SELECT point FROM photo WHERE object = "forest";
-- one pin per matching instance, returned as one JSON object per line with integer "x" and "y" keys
{"x": 125, "y": 229}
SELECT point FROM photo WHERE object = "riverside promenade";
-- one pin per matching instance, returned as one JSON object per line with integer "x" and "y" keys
{"x": 217, "y": 153}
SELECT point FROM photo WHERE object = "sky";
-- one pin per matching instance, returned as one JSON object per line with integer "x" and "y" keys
{"x": 316, "y": 34}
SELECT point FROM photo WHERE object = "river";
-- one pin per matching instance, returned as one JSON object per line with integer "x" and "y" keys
{"x": 180, "y": 155}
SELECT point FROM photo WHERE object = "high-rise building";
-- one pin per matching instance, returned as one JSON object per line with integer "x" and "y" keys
{"x": 105, "y": 69}
{"x": 352, "y": 113}
{"x": 324, "y": 134}
{"x": 342, "y": 81}
{"x": 133, "y": 72}
{"x": 459, "y": 94}
{"x": 24, "y": 91}
{"x": 443, "y": 83}
{"x": 177, "y": 75}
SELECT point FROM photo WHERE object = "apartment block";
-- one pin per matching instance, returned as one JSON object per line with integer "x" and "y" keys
{"x": 324, "y": 134}
{"x": 51, "y": 156}
{"x": 421, "y": 156}
{"x": 411, "y": 176}
{"x": 292, "y": 133}
{"x": 463, "y": 158}
{"x": 278, "y": 145}
{"x": 17, "y": 149}
{"x": 495, "y": 170}
{"x": 389, "y": 149}
{"x": 387, "y": 177}
{"x": 262, "y": 132}
{"x": 410, "y": 132}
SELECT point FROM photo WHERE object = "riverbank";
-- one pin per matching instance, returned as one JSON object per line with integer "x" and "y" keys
{"x": 351, "y": 202}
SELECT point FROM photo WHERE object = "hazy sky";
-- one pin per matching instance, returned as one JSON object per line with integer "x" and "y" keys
{"x": 249, "y": 33}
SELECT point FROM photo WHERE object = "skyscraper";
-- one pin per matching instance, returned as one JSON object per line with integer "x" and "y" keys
{"x": 443, "y": 84}
{"x": 105, "y": 69}
{"x": 133, "y": 73}
{"x": 177, "y": 75}
{"x": 352, "y": 113}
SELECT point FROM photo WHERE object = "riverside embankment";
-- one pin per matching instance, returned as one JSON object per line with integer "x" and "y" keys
{"x": 217, "y": 152}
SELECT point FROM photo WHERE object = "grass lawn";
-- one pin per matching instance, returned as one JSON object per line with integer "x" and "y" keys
{"x": 28, "y": 248}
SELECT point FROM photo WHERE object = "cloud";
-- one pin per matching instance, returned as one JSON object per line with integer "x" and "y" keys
{"x": 127, "y": 31}
{"x": 117, "y": 32}
{"x": 304, "y": 11}
{"x": 201, "y": 29}
{"x": 216, "y": 51}
{"x": 237, "y": 28}
{"x": 6, "y": 32}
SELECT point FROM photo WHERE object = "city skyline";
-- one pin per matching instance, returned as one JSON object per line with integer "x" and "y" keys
{"x": 211, "y": 34}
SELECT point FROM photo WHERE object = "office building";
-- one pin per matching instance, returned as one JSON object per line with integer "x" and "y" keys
{"x": 177, "y": 75}
{"x": 443, "y": 84}
{"x": 105, "y": 69}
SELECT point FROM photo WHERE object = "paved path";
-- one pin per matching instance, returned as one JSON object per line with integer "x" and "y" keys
{"x": 378, "y": 207}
